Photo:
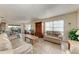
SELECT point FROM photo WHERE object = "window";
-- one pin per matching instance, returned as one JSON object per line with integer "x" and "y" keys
{"x": 14, "y": 28}
{"x": 59, "y": 26}
{"x": 28, "y": 27}
{"x": 55, "y": 26}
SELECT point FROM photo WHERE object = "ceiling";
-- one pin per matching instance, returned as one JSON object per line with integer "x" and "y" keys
{"x": 26, "y": 12}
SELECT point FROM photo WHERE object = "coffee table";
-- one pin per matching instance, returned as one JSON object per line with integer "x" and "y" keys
{"x": 32, "y": 38}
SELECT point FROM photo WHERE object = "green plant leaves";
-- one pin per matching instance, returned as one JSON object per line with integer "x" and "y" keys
{"x": 72, "y": 34}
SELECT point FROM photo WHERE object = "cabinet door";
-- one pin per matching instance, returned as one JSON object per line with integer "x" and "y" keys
{"x": 38, "y": 27}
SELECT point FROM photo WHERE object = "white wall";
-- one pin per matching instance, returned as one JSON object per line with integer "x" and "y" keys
{"x": 78, "y": 18}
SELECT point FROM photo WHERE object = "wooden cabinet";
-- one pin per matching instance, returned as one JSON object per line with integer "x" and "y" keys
{"x": 38, "y": 29}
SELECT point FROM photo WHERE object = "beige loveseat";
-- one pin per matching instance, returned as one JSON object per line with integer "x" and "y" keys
{"x": 53, "y": 36}
{"x": 19, "y": 46}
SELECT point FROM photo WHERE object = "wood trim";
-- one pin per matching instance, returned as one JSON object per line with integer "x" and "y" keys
{"x": 67, "y": 43}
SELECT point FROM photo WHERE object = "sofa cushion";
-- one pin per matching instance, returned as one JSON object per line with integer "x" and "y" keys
{"x": 19, "y": 46}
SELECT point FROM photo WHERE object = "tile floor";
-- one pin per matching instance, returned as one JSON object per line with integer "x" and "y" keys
{"x": 45, "y": 47}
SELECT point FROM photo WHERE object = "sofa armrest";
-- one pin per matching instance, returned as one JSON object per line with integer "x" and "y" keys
{"x": 68, "y": 44}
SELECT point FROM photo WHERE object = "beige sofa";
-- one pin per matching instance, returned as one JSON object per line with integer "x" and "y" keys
{"x": 53, "y": 36}
{"x": 14, "y": 45}
{"x": 21, "y": 47}
{"x": 5, "y": 44}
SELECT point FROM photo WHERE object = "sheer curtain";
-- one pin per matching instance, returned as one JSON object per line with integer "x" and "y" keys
{"x": 55, "y": 26}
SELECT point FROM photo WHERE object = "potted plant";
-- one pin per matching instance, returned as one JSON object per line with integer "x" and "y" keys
{"x": 74, "y": 34}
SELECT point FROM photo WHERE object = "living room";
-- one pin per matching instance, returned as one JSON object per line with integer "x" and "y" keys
{"x": 43, "y": 29}
{"x": 67, "y": 22}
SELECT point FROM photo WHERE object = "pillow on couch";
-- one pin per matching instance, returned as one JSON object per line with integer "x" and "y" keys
{"x": 53, "y": 33}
